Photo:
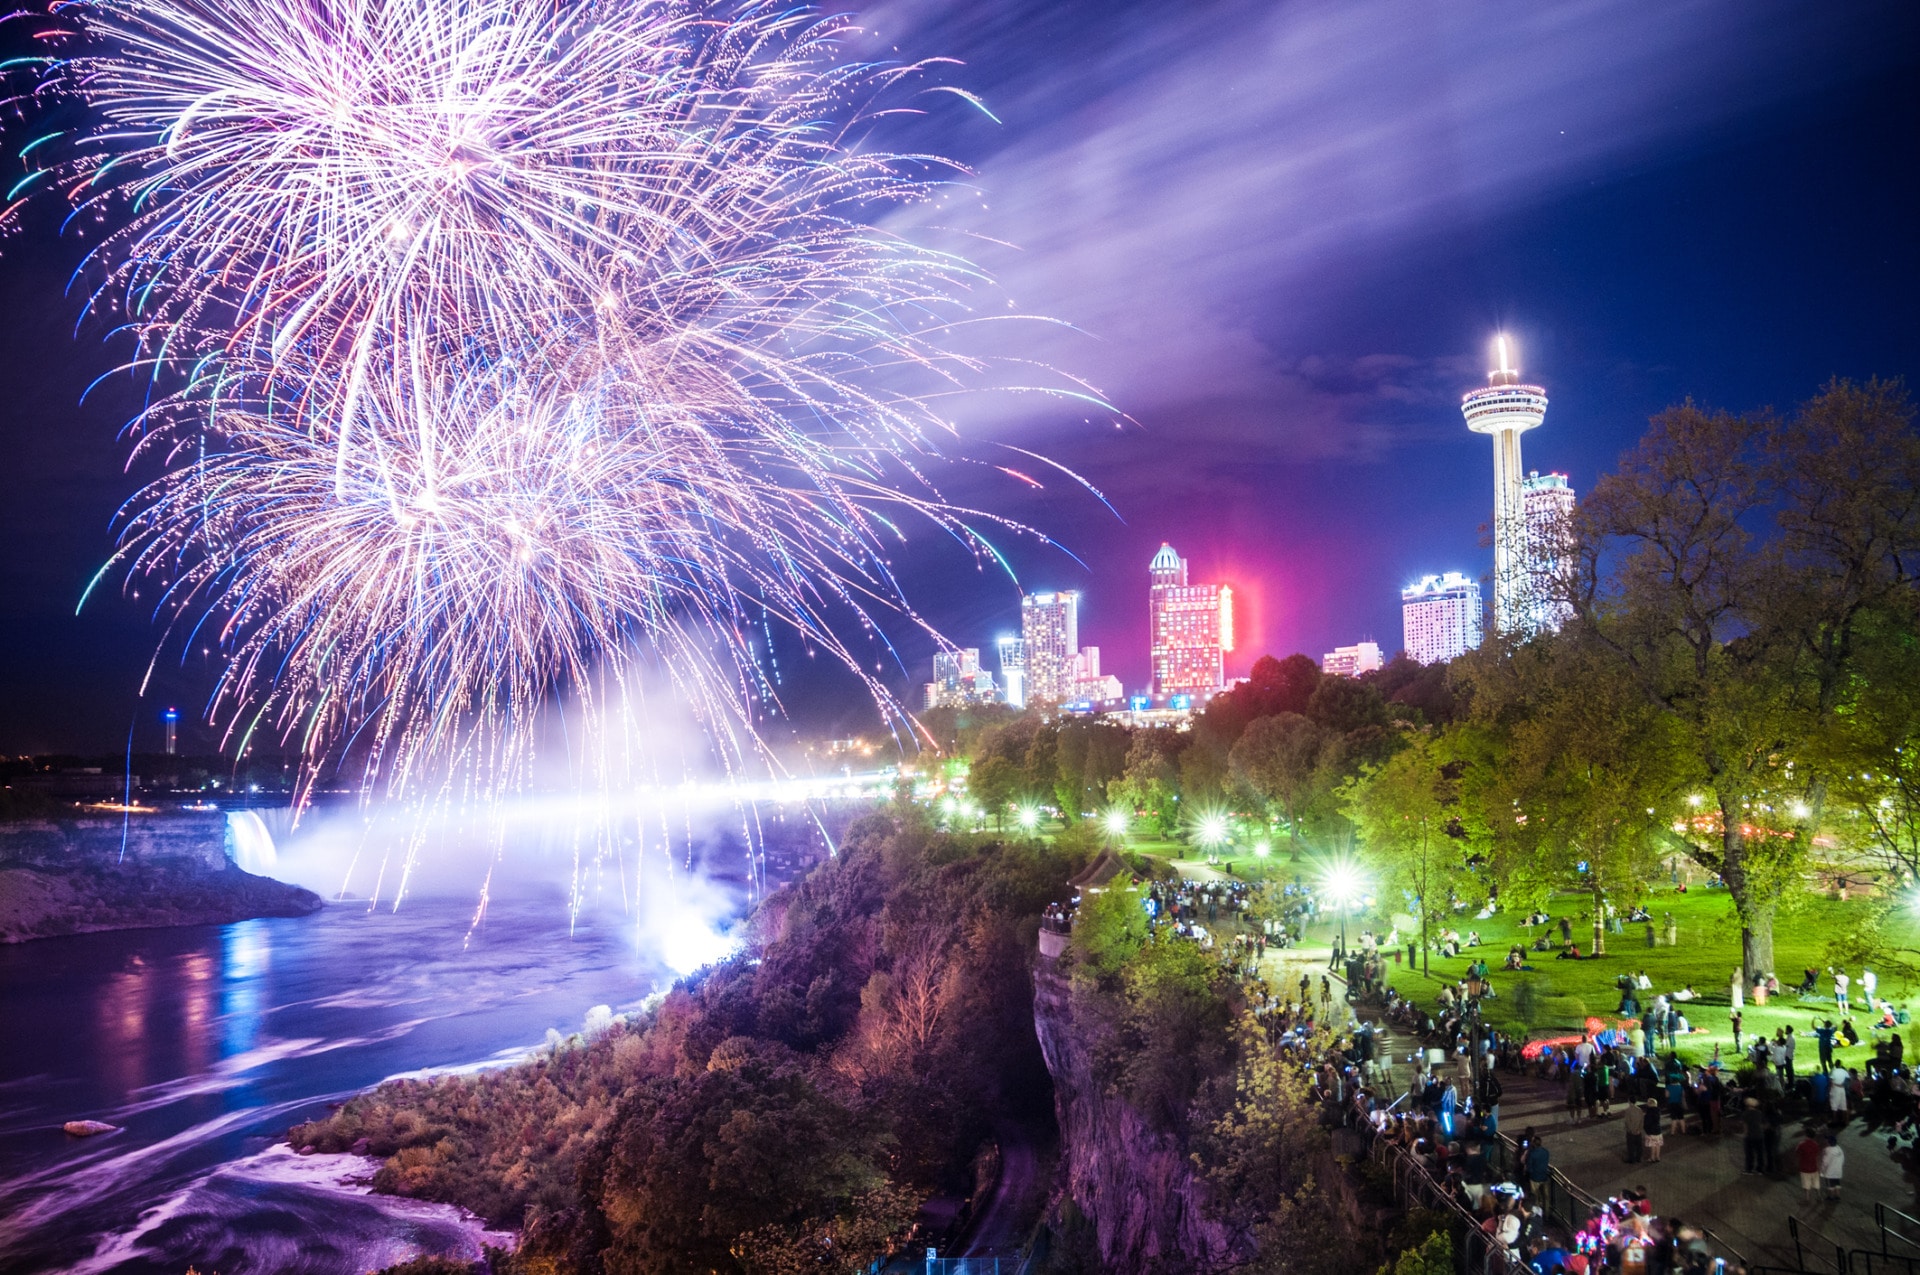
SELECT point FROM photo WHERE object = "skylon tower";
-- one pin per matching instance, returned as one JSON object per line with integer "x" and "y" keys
{"x": 1507, "y": 409}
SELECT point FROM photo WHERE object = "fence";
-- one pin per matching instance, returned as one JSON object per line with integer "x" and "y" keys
{"x": 1570, "y": 1207}
{"x": 1815, "y": 1253}
{"x": 1475, "y": 1252}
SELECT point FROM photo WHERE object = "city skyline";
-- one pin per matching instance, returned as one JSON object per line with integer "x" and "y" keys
{"x": 1289, "y": 366}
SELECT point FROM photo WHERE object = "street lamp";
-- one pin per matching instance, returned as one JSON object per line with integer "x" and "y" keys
{"x": 1029, "y": 818}
{"x": 1213, "y": 830}
{"x": 1116, "y": 824}
{"x": 1342, "y": 886}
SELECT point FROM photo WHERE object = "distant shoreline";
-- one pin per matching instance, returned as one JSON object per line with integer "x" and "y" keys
{"x": 69, "y": 876}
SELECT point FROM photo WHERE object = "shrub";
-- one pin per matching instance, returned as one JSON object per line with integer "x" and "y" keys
{"x": 1560, "y": 1011}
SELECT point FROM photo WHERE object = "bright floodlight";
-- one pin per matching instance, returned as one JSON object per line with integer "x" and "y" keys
{"x": 1213, "y": 829}
{"x": 1029, "y": 818}
{"x": 1342, "y": 883}
{"x": 1117, "y": 822}
{"x": 1262, "y": 849}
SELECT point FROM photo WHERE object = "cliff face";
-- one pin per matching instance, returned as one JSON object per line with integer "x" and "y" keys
{"x": 69, "y": 876}
{"x": 196, "y": 839}
{"x": 1134, "y": 1183}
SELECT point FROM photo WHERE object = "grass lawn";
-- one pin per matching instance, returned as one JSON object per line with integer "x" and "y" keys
{"x": 1705, "y": 956}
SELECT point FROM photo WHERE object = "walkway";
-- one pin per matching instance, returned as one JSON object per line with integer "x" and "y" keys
{"x": 1701, "y": 1178}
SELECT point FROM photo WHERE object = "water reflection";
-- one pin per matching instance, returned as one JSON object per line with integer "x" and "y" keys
{"x": 205, "y": 1044}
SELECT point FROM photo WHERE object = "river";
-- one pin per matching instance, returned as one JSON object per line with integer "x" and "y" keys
{"x": 204, "y": 1044}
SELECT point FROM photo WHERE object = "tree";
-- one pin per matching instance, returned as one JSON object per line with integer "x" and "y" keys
{"x": 1750, "y": 650}
{"x": 1150, "y": 783}
{"x": 1667, "y": 574}
{"x": 1403, "y": 812}
{"x": 995, "y": 781}
{"x": 1572, "y": 774}
{"x": 1283, "y": 759}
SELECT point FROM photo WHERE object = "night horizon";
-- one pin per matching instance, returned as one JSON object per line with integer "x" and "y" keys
{"x": 1309, "y": 450}
{"x": 734, "y": 638}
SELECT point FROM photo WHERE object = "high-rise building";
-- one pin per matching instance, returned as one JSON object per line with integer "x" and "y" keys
{"x": 1441, "y": 617}
{"x": 1050, "y": 631}
{"x": 1013, "y": 670}
{"x": 169, "y": 731}
{"x": 1352, "y": 661}
{"x": 1089, "y": 686}
{"x": 1506, "y": 409}
{"x": 1190, "y": 628}
{"x": 1547, "y": 505}
{"x": 958, "y": 680}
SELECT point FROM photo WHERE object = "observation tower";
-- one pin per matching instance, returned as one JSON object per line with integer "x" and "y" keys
{"x": 1507, "y": 409}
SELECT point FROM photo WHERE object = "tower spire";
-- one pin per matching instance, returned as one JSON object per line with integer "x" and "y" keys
{"x": 1506, "y": 409}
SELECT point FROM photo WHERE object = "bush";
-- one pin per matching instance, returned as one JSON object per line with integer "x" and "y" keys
{"x": 1560, "y": 1011}
{"x": 429, "y": 1265}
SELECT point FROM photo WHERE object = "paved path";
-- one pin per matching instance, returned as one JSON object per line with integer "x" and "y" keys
{"x": 1701, "y": 1178}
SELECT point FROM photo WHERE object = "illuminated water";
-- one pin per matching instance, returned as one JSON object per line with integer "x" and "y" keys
{"x": 205, "y": 1044}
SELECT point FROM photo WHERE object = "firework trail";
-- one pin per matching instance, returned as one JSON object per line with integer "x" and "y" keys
{"x": 501, "y": 347}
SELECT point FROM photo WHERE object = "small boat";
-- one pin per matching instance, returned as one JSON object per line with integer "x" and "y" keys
{"x": 87, "y": 1128}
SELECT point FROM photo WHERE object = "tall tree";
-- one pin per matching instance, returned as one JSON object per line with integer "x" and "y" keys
{"x": 1284, "y": 760}
{"x": 1748, "y": 649}
{"x": 1403, "y": 811}
{"x": 1667, "y": 574}
{"x": 1574, "y": 783}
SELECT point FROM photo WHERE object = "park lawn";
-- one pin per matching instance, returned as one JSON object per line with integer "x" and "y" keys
{"x": 1705, "y": 957}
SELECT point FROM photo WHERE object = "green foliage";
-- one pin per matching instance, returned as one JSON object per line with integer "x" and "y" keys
{"x": 785, "y": 1111}
{"x": 1432, "y": 1256}
{"x": 1108, "y": 932}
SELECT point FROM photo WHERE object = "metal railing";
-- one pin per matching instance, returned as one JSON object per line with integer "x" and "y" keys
{"x": 1881, "y": 1212}
{"x": 1810, "y": 1240}
{"x": 1571, "y": 1206}
{"x": 1474, "y": 1250}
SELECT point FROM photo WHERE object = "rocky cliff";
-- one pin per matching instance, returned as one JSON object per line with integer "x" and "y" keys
{"x": 1133, "y": 1183}
{"x": 71, "y": 876}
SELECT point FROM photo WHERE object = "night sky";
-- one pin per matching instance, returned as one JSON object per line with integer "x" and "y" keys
{"x": 1282, "y": 236}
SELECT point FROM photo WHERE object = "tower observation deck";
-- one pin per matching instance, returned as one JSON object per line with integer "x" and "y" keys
{"x": 1507, "y": 409}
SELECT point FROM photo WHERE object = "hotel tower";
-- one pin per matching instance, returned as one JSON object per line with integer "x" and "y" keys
{"x": 1507, "y": 409}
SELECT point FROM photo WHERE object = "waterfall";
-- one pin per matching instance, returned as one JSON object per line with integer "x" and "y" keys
{"x": 249, "y": 844}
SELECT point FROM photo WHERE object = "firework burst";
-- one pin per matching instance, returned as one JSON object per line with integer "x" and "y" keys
{"x": 508, "y": 345}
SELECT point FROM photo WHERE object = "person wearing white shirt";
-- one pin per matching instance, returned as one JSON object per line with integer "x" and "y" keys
{"x": 1837, "y": 1091}
{"x": 1833, "y": 1162}
{"x": 1868, "y": 982}
{"x": 1840, "y": 981}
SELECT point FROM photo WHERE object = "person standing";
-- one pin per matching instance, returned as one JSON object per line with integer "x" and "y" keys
{"x": 1735, "y": 1019}
{"x": 1807, "y": 1154}
{"x": 1786, "y": 1054}
{"x": 1635, "y": 1122}
{"x": 1539, "y": 1168}
{"x": 1869, "y": 984}
{"x": 1655, "y": 1137}
{"x": 1754, "y": 1141}
{"x": 1837, "y": 1091}
{"x": 1738, "y": 990}
{"x": 1840, "y": 983}
{"x": 1833, "y": 1162}
{"x": 1824, "y": 1033}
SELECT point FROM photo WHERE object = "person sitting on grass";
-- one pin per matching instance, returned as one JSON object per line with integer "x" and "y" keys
{"x": 1571, "y": 952}
{"x": 1516, "y": 957}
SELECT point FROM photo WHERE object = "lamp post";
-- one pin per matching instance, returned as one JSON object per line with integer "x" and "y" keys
{"x": 1342, "y": 885}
